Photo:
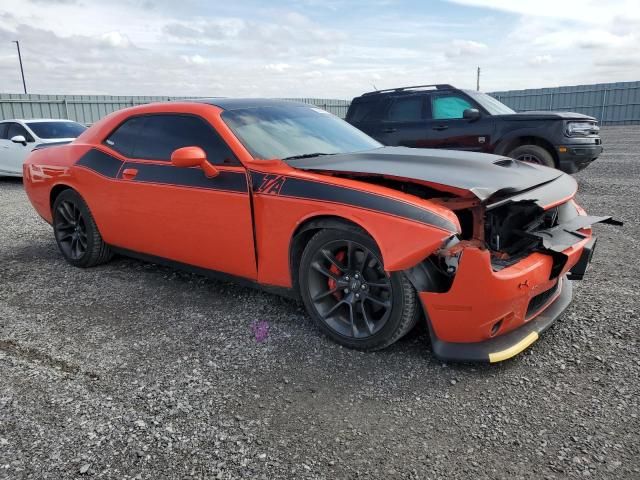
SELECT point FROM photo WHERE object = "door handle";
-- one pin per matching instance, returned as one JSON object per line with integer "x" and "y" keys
{"x": 129, "y": 173}
{"x": 441, "y": 127}
{"x": 390, "y": 130}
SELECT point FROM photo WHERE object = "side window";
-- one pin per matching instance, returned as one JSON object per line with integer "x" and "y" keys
{"x": 3, "y": 131}
{"x": 17, "y": 129}
{"x": 448, "y": 106}
{"x": 361, "y": 111}
{"x": 123, "y": 139}
{"x": 162, "y": 134}
{"x": 407, "y": 109}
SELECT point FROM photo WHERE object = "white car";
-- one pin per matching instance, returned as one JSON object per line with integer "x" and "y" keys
{"x": 19, "y": 137}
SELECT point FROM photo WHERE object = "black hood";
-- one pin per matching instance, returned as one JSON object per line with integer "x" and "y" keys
{"x": 482, "y": 174}
{"x": 544, "y": 115}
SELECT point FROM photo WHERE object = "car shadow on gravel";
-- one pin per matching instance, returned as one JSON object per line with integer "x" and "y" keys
{"x": 203, "y": 291}
{"x": 10, "y": 181}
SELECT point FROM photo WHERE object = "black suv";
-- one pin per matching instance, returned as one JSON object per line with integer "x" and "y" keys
{"x": 441, "y": 116}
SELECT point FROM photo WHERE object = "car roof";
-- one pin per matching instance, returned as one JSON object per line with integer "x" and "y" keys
{"x": 240, "y": 103}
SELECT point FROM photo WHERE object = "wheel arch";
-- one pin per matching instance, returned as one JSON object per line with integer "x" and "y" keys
{"x": 507, "y": 145}
{"x": 56, "y": 191}
{"x": 307, "y": 229}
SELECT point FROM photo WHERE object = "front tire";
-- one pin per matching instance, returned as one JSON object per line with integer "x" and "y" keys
{"x": 533, "y": 154}
{"x": 76, "y": 232}
{"x": 347, "y": 292}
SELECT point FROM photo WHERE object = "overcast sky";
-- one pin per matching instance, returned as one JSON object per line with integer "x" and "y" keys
{"x": 313, "y": 48}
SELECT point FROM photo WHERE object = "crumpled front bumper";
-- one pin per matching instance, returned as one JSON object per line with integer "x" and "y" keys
{"x": 501, "y": 348}
{"x": 489, "y": 316}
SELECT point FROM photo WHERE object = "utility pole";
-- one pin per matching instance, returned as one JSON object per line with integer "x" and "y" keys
{"x": 24, "y": 84}
{"x": 478, "y": 80}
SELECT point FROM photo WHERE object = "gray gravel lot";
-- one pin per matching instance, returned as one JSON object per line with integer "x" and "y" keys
{"x": 132, "y": 370}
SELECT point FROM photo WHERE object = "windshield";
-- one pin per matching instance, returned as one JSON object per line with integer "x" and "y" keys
{"x": 490, "y": 104}
{"x": 292, "y": 131}
{"x": 49, "y": 130}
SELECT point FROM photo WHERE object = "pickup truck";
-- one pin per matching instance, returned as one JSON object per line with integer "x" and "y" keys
{"x": 442, "y": 116}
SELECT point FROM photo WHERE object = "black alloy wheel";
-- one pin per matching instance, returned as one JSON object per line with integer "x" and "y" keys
{"x": 350, "y": 295}
{"x": 350, "y": 289}
{"x": 71, "y": 230}
{"x": 76, "y": 231}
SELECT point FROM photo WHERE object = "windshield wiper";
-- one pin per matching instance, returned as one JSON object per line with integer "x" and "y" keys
{"x": 307, "y": 155}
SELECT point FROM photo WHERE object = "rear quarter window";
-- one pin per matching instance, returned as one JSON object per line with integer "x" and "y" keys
{"x": 123, "y": 139}
{"x": 155, "y": 137}
{"x": 361, "y": 111}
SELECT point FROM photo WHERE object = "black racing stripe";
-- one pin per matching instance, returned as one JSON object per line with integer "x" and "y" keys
{"x": 188, "y": 177}
{"x": 100, "y": 162}
{"x": 295, "y": 187}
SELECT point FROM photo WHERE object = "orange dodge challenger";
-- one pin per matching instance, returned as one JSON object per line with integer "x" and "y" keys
{"x": 289, "y": 197}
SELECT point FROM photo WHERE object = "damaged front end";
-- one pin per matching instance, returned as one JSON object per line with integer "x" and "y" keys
{"x": 491, "y": 289}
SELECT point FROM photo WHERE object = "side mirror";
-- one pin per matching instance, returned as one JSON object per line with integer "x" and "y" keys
{"x": 193, "y": 157}
{"x": 19, "y": 139}
{"x": 471, "y": 114}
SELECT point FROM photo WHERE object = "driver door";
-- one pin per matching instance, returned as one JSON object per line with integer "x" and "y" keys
{"x": 448, "y": 129}
{"x": 178, "y": 213}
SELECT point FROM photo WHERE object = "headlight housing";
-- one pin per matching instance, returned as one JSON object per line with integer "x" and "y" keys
{"x": 581, "y": 129}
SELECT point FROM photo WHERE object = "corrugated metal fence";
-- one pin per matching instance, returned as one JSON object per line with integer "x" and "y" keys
{"x": 88, "y": 109}
{"x": 611, "y": 103}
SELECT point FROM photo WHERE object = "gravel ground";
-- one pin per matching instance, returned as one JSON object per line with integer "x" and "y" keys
{"x": 132, "y": 370}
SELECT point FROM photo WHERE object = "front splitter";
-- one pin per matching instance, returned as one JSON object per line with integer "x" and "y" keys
{"x": 510, "y": 344}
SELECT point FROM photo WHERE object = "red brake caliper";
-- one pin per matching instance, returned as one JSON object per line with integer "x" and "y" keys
{"x": 332, "y": 283}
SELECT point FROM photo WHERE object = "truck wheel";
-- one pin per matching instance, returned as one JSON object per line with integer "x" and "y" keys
{"x": 533, "y": 154}
{"x": 347, "y": 292}
{"x": 76, "y": 232}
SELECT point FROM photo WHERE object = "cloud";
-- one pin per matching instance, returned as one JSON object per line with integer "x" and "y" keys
{"x": 180, "y": 30}
{"x": 583, "y": 11}
{"x": 277, "y": 67}
{"x": 116, "y": 39}
{"x": 59, "y": 2}
{"x": 323, "y": 62}
{"x": 540, "y": 60}
{"x": 602, "y": 39}
{"x": 460, "y": 48}
{"x": 314, "y": 49}
{"x": 195, "y": 59}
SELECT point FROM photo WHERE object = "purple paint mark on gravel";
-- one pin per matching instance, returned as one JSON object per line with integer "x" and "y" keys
{"x": 260, "y": 329}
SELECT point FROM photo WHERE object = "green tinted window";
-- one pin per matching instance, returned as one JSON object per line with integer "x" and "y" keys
{"x": 449, "y": 106}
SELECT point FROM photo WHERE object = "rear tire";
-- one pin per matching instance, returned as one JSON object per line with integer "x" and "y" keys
{"x": 533, "y": 154}
{"x": 76, "y": 232}
{"x": 349, "y": 295}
